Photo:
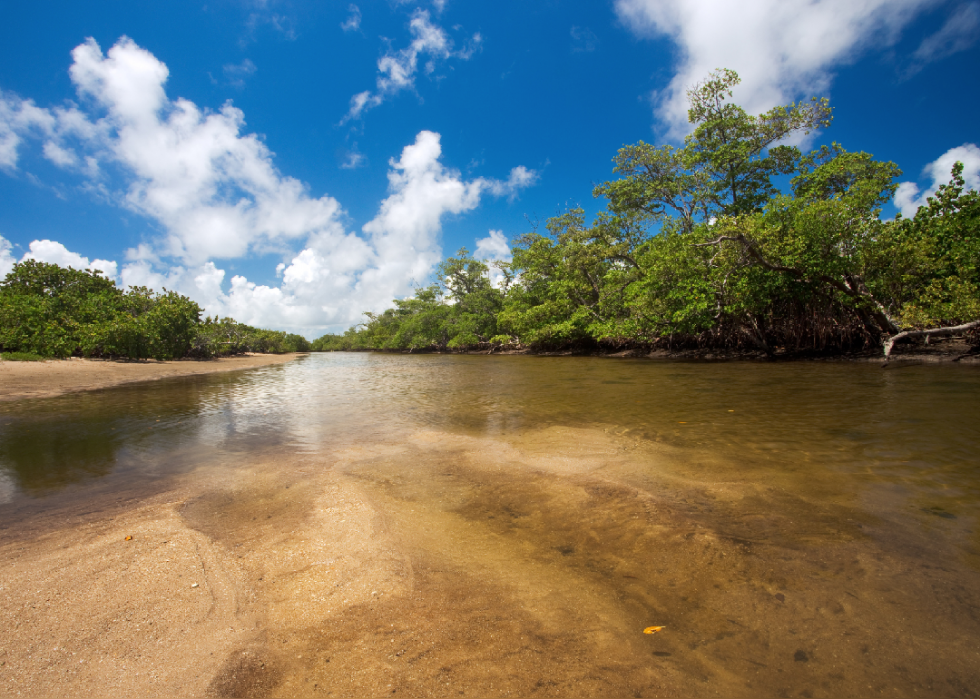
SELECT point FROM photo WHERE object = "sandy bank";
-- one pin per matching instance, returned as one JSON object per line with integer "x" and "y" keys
{"x": 439, "y": 565}
{"x": 54, "y": 377}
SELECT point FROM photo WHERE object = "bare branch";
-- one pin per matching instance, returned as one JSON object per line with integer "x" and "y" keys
{"x": 718, "y": 241}
{"x": 952, "y": 330}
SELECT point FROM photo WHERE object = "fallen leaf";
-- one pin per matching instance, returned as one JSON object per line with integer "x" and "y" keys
{"x": 129, "y": 538}
{"x": 653, "y": 629}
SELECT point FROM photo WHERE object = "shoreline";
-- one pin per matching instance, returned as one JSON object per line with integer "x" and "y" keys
{"x": 55, "y": 377}
{"x": 943, "y": 352}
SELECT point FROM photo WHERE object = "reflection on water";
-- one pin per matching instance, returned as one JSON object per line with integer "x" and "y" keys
{"x": 917, "y": 427}
{"x": 801, "y": 529}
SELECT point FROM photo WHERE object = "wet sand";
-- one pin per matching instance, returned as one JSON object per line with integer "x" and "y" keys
{"x": 435, "y": 565}
{"x": 58, "y": 376}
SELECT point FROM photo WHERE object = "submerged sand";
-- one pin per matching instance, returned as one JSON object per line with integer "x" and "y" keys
{"x": 57, "y": 376}
{"x": 439, "y": 565}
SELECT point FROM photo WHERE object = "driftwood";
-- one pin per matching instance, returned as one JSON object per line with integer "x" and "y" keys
{"x": 952, "y": 330}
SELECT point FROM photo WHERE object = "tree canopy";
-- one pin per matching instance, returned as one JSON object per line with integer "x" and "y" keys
{"x": 54, "y": 311}
{"x": 736, "y": 239}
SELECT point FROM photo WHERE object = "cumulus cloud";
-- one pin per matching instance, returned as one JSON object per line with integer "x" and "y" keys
{"x": 405, "y": 231}
{"x": 781, "y": 49}
{"x": 56, "y": 253}
{"x": 216, "y": 194}
{"x": 397, "y": 69}
{"x": 493, "y": 247}
{"x": 908, "y": 198}
{"x": 353, "y": 21}
{"x": 53, "y": 253}
{"x": 339, "y": 275}
{"x": 214, "y": 189}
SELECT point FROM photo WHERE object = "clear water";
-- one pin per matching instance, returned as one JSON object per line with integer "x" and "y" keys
{"x": 802, "y": 529}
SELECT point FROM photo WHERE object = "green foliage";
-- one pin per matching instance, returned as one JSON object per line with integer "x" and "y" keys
{"x": 725, "y": 167}
{"x": 930, "y": 268}
{"x": 698, "y": 245}
{"x": 50, "y": 311}
{"x": 216, "y": 337}
{"x": 21, "y": 357}
{"x": 459, "y": 313}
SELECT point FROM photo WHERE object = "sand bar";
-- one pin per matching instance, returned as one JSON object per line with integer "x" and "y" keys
{"x": 57, "y": 376}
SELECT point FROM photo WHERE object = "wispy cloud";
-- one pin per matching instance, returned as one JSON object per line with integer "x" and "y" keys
{"x": 263, "y": 14}
{"x": 353, "y": 21}
{"x": 236, "y": 73}
{"x": 353, "y": 159}
{"x": 397, "y": 69}
{"x": 959, "y": 33}
{"x": 583, "y": 40}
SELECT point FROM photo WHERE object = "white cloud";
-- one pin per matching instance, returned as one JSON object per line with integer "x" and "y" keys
{"x": 6, "y": 257}
{"x": 339, "y": 275}
{"x": 53, "y": 253}
{"x": 405, "y": 231}
{"x": 56, "y": 253}
{"x": 782, "y": 49}
{"x": 397, "y": 69}
{"x": 520, "y": 178}
{"x": 353, "y": 22}
{"x": 908, "y": 199}
{"x": 21, "y": 118}
{"x": 63, "y": 157}
{"x": 215, "y": 190}
{"x": 216, "y": 194}
{"x": 494, "y": 248}
{"x": 959, "y": 33}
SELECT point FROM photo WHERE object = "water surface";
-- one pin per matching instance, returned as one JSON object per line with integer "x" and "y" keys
{"x": 800, "y": 529}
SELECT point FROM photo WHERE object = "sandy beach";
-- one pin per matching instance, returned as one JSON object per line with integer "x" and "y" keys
{"x": 57, "y": 376}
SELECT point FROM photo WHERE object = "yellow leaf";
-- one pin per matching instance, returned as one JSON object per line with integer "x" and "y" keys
{"x": 653, "y": 629}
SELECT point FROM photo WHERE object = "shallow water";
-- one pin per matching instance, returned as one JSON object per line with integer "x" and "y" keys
{"x": 799, "y": 529}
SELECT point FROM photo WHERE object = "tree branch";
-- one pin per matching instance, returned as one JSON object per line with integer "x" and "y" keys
{"x": 952, "y": 330}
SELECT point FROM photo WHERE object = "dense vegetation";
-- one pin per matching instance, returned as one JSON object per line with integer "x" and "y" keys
{"x": 50, "y": 311}
{"x": 699, "y": 246}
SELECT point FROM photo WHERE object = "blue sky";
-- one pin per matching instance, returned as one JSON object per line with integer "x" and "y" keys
{"x": 293, "y": 164}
